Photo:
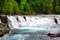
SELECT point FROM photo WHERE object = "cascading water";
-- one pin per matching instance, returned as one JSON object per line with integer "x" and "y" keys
{"x": 30, "y": 28}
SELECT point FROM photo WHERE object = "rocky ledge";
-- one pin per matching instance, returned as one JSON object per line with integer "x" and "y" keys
{"x": 3, "y": 30}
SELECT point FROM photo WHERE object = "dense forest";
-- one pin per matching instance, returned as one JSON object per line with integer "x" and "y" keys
{"x": 28, "y": 7}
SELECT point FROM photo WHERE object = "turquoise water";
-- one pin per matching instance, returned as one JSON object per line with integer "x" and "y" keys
{"x": 15, "y": 37}
{"x": 25, "y": 34}
{"x": 30, "y": 31}
{"x": 21, "y": 37}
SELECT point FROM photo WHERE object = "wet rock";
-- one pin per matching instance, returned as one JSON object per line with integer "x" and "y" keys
{"x": 3, "y": 30}
{"x": 2, "y": 34}
{"x": 53, "y": 35}
{"x": 3, "y": 19}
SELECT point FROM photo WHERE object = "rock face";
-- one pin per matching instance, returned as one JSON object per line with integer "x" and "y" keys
{"x": 55, "y": 20}
{"x": 3, "y": 19}
{"x": 4, "y": 29}
{"x": 53, "y": 35}
{"x": 3, "y": 26}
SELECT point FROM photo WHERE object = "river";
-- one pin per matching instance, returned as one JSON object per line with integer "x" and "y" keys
{"x": 33, "y": 28}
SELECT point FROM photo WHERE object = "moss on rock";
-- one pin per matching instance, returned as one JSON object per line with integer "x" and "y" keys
{"x": 1, "y": 34}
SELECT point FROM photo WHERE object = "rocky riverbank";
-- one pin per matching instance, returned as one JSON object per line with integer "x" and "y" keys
{"x": 3, "y": 30}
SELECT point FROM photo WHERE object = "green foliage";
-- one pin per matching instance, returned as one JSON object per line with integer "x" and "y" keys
{"x": 8, "y": 8}
{"x": 1, "y": 34}
{"x": 29, "y": 6}
{"x": 57, "y": 8}
{"x": 15, "y": 7}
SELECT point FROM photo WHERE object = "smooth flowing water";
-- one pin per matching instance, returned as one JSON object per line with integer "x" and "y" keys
{"x": 30, "y": 27}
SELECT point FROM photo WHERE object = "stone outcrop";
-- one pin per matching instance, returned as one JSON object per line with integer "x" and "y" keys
{"x": 3, "y": 30}
{"x": 3, "y": 19}
{"x": 53, "y": 35}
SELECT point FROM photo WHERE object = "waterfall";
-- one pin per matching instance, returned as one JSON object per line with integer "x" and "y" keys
{"x": 31, "y": 23}
{"x": 30, "y": 27}
{"x": 12, "y": 22}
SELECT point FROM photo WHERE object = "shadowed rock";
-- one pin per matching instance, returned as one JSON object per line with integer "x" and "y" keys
{"x": 53, "y": 35}
{"x": 55, "y": 20}
{"x": 24, "y": 18}
{"x": 3, "y": 19}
